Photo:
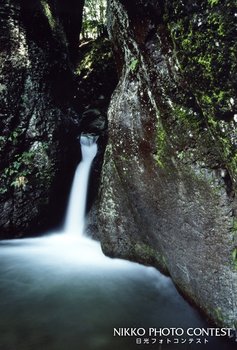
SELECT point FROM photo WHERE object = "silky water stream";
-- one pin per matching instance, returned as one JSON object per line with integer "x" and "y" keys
{"x": 59, "y": 292}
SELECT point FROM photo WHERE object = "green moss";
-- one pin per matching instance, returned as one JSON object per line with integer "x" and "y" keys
{"x": 213, "y": 2}
{"x": 144, "y": 250}
{"x": 234, "y": 227}
{"x": 48, "y": 14}
{"x": 149, "y": 255}
{"x": 203, "y": 37}
{"x": 187, "y": 118}
{"x": 161, "y": 142}
{"x": 86, "y": 63}
{"x": 234, "y": 258}
{"x": 53, "y": 21}
{"x": 95, "y": 53}
{"x": 133, "y": 64}
{"x": 219, "y": 315}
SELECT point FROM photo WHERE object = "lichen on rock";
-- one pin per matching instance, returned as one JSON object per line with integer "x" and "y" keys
{"x": 168, "y": 185}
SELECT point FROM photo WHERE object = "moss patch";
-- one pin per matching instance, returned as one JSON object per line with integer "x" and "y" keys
{"x": 148, "y": 255}
{"x": 48, "y": 14}
{"x": 204, "y": 40}
{"x": 234, "y": 258}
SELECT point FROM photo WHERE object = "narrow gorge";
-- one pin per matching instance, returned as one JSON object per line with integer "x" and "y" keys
{"x": 157, "y": 87}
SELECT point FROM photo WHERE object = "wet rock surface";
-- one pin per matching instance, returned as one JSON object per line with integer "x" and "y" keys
{"x": 96, "y": 77}
{"x": 167, "y": 195}
{"x": 51, "y": 91}
{"x": 37, "y": 122}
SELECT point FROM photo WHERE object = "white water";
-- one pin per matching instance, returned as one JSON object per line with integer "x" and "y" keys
{"x": 75, "y": 217}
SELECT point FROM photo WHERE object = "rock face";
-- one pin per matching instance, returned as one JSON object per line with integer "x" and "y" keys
{"x": 36, "y": 121}
{"x": 70, "y": 16}
{"x": 51, "y": 90}
{"x": 169, "y": 180}
{"x": 96, "y": 76}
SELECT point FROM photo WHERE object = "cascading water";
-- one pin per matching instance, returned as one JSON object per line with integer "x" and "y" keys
{"x": 75, "y": 217}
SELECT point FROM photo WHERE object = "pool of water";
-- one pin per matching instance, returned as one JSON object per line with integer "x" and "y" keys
{"x": 59, "y": 292}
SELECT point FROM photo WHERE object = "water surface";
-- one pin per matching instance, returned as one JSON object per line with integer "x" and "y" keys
{"x": 58, "y": 293}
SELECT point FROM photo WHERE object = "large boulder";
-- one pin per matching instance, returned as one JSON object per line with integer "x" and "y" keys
{"x": 169, "y": 179}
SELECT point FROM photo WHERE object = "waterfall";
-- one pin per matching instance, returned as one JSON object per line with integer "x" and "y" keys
{"x": 75, "y": 215}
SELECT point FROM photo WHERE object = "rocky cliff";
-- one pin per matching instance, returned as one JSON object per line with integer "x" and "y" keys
{"x": 36, "y": 119}
{"x": 51, "y": 89}
{"x": 168, "y": 189}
